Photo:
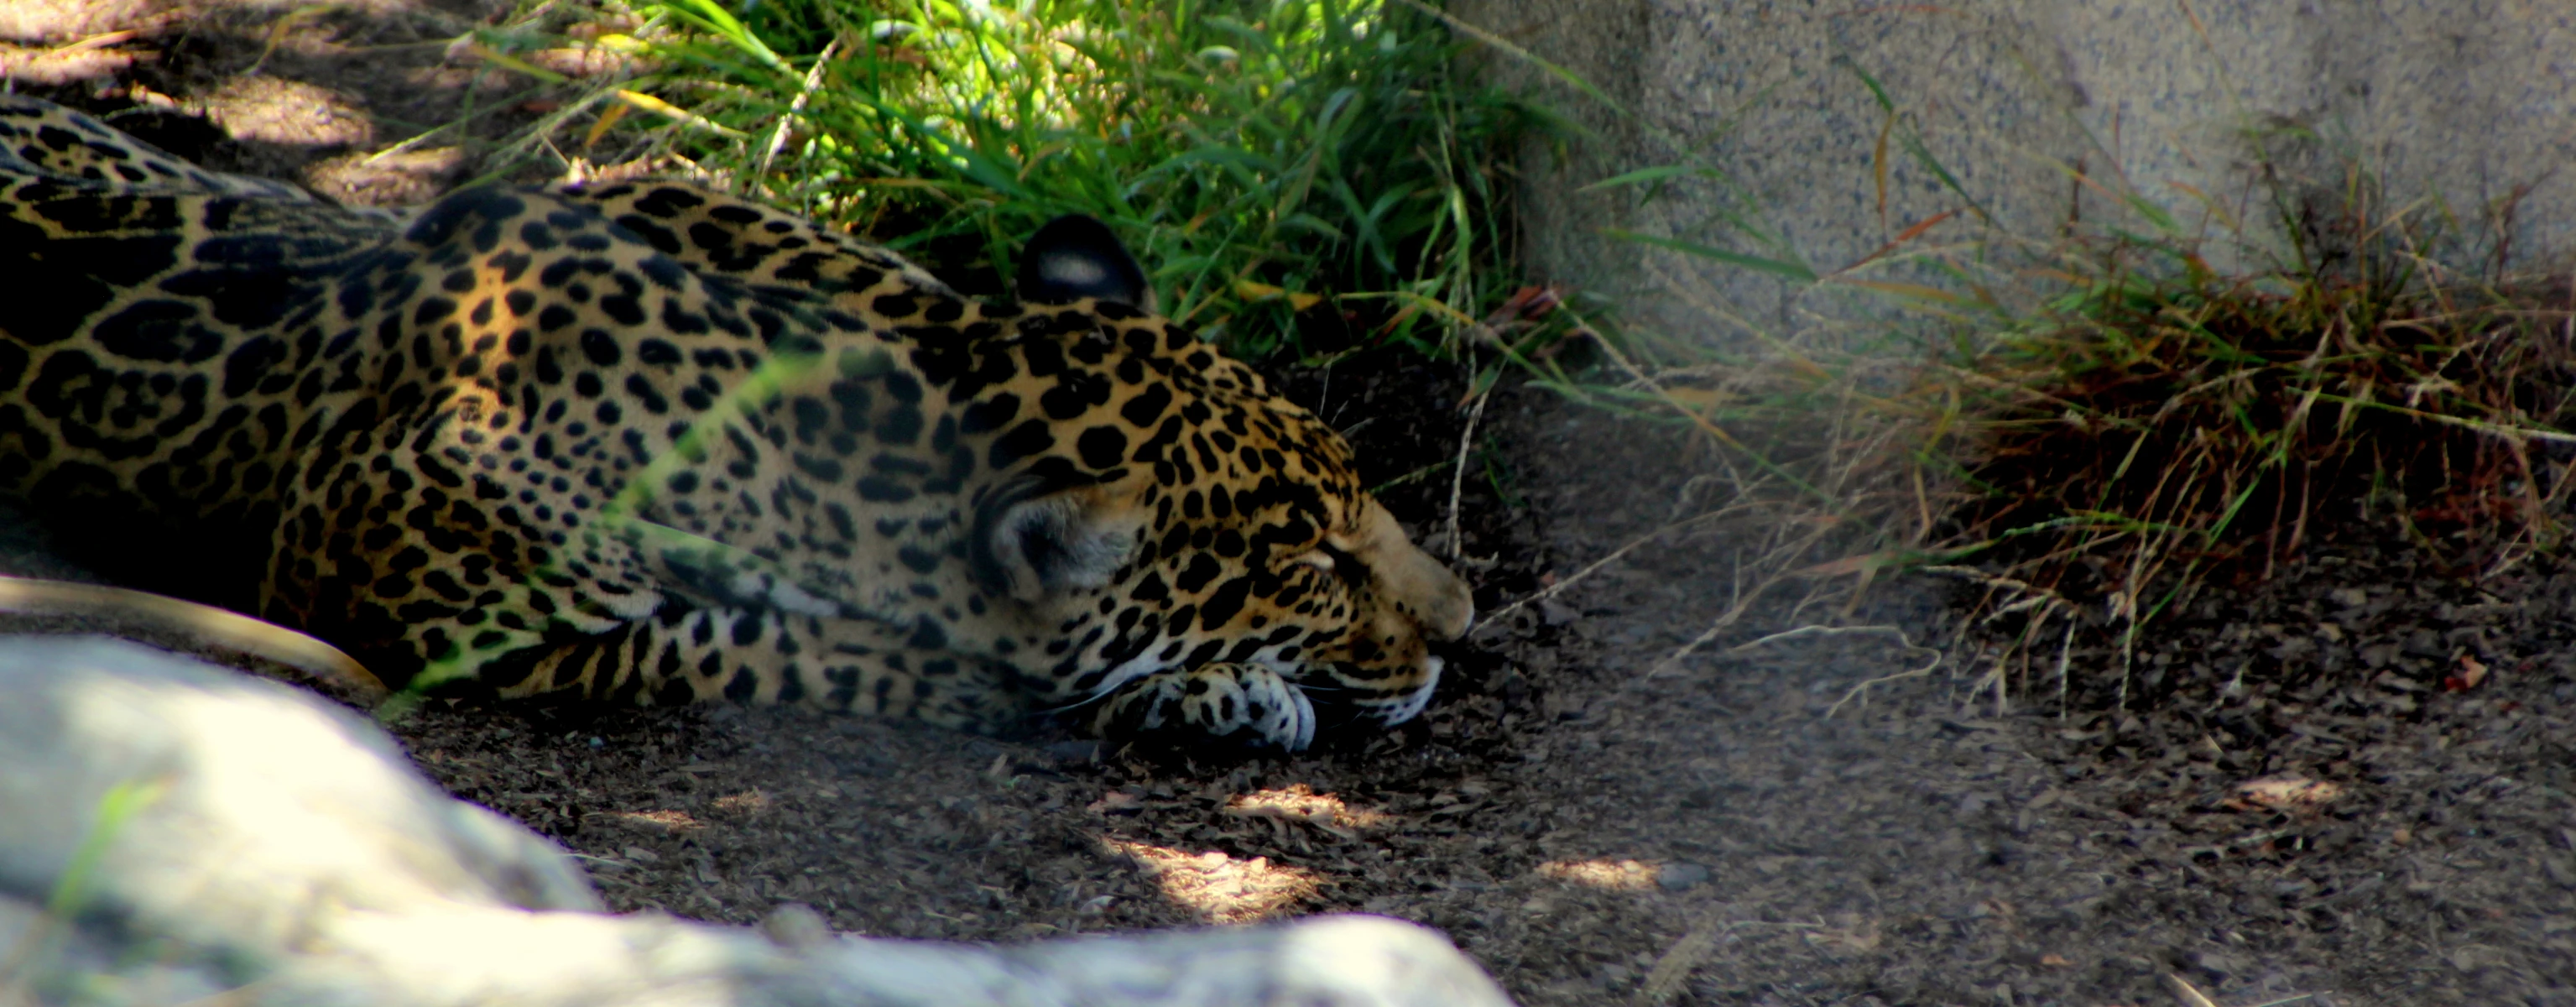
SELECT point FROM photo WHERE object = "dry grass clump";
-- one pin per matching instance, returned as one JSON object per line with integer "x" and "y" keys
{"x": 2212, "y": 421}
{"x": 2154, "y": 435}
{"x": 2098, "y": 438}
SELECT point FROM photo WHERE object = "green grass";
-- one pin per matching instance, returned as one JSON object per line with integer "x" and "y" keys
{"x": 23, "y": 967}
{"x": 1296, "y": 176}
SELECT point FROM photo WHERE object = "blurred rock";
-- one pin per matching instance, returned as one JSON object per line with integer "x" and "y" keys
{"x": 220, "y": 835}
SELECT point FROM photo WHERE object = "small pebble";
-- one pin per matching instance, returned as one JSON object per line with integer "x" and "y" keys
{"x": 796, "y": 926}
{"x": 1680, "y": 877}
{"x": 1074, "y": 751}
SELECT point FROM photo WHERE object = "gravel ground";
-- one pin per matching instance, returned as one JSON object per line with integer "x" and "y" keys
{"x": 2308, "y": 791}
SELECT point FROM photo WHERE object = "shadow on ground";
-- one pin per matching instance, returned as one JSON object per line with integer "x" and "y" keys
{"x": 357, "y": 101}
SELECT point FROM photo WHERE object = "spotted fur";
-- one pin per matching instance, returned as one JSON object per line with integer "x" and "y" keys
{"x": 651, "y": 443}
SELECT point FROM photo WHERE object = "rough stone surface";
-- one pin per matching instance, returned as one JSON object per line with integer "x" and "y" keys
{"x": 2461, "y": 109}
{"x": 204, "y": 833}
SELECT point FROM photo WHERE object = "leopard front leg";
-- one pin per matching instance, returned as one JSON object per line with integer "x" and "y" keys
{"x": 1242, "y": 705}
{"x": 686, "y": 654}
{"x": 681, "y": 653}
{"x": 431, "y": 610}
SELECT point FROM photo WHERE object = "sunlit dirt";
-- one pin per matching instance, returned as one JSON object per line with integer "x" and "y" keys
{"x": 1616, "y": 875}
{"x": 1219, "y": 888}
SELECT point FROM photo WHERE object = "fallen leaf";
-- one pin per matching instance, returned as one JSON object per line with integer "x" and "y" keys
{"x": 2472, "y": 671}
{"x": 1254, "y": 291}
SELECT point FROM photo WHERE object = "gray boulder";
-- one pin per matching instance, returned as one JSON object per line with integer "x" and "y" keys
{"x": 1811, "y": 132}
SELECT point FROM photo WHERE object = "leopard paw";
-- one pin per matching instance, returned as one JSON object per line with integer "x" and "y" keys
{"x": 1227, "y": 704}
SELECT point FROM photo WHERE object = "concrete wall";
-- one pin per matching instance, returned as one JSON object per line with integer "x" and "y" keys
{"x": 2469, "y": 103}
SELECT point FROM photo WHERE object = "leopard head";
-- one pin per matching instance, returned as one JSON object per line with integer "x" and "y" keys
{"x": 1192, "y": 515}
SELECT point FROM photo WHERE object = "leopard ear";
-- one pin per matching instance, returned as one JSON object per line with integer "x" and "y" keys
{"x": 1041, "y": 545}
{"x": 1074, "y": 257}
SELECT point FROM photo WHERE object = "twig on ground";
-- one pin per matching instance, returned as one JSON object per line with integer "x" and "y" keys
{"x": 1675, "y": 966}
{"x": 2065, "y": 652}
{"x": 1595, "y": 566}
{"x": 1902, "y": 640}
{"x": 1689, "y": 492}
{"x": 2185, "y": 992}
{"x": 2039, "y": 605}
{"x": 1772, "y": 561}
{"x": 1676, "y": 963}
{"x": 1861, "y": 690}
{"x": 2191, "y": 996}
{"x": 1807, "y": 631}
{"x": 1725, "y": 621}
{"x": 1458, "y": 476}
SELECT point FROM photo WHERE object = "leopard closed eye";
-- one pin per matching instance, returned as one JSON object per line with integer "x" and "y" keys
{"x": 650, "y": 443}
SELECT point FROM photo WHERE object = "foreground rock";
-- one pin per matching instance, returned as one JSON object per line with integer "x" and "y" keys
{"x": 198, "y": 832}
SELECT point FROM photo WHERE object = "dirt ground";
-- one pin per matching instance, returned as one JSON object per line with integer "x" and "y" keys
{"x": 2304, "y": 797}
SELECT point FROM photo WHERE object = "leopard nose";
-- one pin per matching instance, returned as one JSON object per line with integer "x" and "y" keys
{"x": 1429, "y": 593}
{"x": 1451, "y": 608}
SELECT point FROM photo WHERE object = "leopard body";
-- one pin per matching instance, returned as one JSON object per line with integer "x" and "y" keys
{"x": 648, "y": 442}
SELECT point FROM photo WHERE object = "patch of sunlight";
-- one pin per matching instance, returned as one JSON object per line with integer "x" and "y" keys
{"x": 588, "y": 62}
{"x": 1616, "y": 875}
{"x": 1299, "y": 803}
{"x": 275, "y": 110}
{"x": 749, "y": 802}
{"x": 2284, "y": 793}
{"x": 56, "y": 65}
{"x": 399, "y": 178}
{"x": 1219, "y": 888}
{"x": 653, "y": 821}
{"x": 52, "y": 24}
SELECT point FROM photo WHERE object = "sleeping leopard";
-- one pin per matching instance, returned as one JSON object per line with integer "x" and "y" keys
{"x": 649, "y": 443}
